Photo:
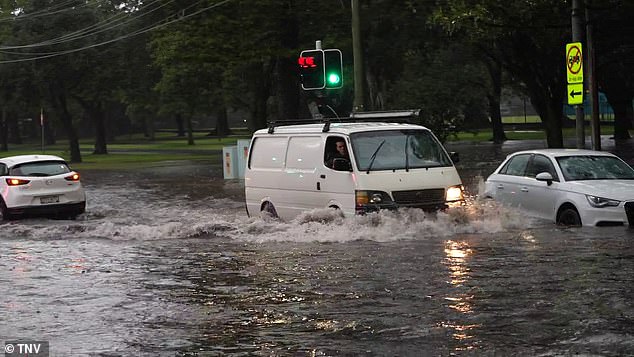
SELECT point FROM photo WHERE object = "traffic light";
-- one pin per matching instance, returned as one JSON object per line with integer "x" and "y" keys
{"x": 312, "y": 69}
{"x": 333, "y": 69}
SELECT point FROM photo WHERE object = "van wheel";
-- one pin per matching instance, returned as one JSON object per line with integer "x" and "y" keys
{"x": 337, "y": 210}
{"x": 569, "y": 216}
{"x": 268, "y": 211}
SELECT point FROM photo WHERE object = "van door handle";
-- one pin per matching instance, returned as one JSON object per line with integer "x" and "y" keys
{"x": 322, "y": 176}
{"x": 500, "y": 187}
{"x": 318, "y": 187}
{"x": 524, "y": 189}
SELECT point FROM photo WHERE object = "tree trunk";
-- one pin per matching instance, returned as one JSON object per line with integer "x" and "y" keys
{"x": 4, "y": 133}
{"x": 261, "y": 74}
{"x": 13, "y": 129}
{"x": 101, "y": 147}
{"x": 222, "y": 124}
{"x": 287, "y": 89}
{"x": 180, "y": 125}
{"x": 550, "y": 112}
{"x": 495, "y": 72}
{"x": 149, "y": 128}
{"x": 60, "y": 106}
{"x": 94, "y": 109}
{"x": 190, "y": 131}
{"x": 49, "y": 132}
{"x": 622, "y": 117}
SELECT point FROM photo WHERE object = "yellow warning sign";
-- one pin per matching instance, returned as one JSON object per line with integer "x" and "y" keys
{"x": 574, "y": 62}
{"x": 575, "y": 94}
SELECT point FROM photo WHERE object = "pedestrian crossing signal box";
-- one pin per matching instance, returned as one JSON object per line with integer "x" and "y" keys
{"x": 312, "y": 69}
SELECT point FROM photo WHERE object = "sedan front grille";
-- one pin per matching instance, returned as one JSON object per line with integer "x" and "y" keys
{"x": 415, "y": 198}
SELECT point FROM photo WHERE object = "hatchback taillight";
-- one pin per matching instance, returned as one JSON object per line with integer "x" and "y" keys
{"x": 16, "y": 182}
{"x": 74, "y": 177}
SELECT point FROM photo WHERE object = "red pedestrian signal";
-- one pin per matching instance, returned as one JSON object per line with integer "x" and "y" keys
{"x": 312, "y": 69}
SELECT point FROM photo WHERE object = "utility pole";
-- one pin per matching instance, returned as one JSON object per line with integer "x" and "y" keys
{"x": 577, "y": 36}
{"x": 593, "y": 87}
{"x": 358, "y": 104}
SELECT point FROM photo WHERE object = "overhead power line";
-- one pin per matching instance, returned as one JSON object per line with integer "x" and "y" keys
{"x": 86, "y": 32}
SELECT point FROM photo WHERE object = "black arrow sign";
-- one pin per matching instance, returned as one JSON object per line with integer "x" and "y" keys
{"x": 573, "y": 93}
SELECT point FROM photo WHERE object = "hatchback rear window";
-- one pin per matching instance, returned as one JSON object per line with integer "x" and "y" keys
{"x": 40, "y": 168}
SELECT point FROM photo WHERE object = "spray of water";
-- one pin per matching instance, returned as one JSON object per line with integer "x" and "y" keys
{"x": 122, "y": 214}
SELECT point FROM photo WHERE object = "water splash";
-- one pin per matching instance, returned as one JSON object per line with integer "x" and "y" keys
{"x": 119, "y": 214}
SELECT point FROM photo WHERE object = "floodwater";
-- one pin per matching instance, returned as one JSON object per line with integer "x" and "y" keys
{"x": 166, "y": 263}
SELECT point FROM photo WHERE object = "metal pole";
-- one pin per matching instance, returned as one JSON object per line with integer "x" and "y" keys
{"x": 593, "y": 88}
{"x": 577, "y": 36}
{"x": 358, "y": 104}
{"x": 42, "y": 125}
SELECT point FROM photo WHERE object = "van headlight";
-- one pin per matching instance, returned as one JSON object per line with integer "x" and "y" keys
{"x": 454, "y": 193}
{"x": 599, "y": 202}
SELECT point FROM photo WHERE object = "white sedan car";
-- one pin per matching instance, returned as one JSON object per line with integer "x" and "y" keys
{"x": 568, "y": 186}
{"x": 39, "y": 184}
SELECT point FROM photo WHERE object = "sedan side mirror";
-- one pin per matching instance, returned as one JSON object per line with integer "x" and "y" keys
{"x": 545, "y": 176}
{"x": 454, "y": 157}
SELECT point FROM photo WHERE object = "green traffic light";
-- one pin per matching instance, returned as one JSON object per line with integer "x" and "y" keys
{"x": 333, "y": 78}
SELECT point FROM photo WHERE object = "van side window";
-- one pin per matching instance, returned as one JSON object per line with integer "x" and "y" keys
{"x": 301, "y": 153}
{"x": 335, "y": 148}
{"x": 268, "y": 153}
{"x": 3, "y": 170}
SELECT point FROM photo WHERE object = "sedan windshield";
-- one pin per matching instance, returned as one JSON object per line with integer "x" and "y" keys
{"x": 398, "y": 150}
{"x": 40, "y": 168}
{"x": 589, "y": 167}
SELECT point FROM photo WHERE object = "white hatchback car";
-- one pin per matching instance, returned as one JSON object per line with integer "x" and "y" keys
{"x": 568, "y": 186}
{"x": 39, "y": 184}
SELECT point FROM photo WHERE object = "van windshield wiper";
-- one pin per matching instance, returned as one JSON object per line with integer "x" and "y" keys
{"x": 374, "y": 155}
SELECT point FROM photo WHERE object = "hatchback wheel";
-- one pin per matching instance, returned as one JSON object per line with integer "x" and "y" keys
{"x": 569, "y": 217}
{"x": 4, "y": 215}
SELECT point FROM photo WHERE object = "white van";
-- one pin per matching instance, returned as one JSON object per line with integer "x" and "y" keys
{"x": 289, "y": 169}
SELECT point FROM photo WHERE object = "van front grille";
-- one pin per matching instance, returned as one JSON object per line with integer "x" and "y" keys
{"x": 629, "y": 211}
{"x": 428, "y": 197}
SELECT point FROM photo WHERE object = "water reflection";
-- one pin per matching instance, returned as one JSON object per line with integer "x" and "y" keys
{"x": 457, "y": 256}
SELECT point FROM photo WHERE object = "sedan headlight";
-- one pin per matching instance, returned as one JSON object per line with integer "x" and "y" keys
{"x": 454, "y": 193}
{"x": 599, "y": 202}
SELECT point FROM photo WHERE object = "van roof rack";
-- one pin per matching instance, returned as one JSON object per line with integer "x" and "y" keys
{"x": 392, "y": 116}
{"x": 387, "y": 115}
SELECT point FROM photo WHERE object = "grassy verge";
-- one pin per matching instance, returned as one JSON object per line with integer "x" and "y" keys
{"x": 132, "y": 151}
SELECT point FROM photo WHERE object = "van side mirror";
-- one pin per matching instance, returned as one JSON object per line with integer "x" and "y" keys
{"x": 340, "y": 164}
{"x": 545, "y": 176}
{"x": 454, "y": 157}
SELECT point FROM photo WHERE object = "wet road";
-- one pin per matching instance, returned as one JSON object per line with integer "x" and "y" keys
{"x": 166, "y": 263}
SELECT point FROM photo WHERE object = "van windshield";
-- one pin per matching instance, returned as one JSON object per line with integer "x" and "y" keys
{"x": 397, "y": 150}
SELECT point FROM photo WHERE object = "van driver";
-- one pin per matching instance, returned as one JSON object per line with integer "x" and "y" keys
{"x": 340, "y": 153}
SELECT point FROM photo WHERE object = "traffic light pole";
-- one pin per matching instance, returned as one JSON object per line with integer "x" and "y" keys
{"x": 593, "y": 88}
{"x": 358, "y": 104}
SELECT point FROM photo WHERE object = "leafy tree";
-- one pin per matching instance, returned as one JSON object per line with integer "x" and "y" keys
{"x": 613, "y": 32}
{"x": 528, "y": 36}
